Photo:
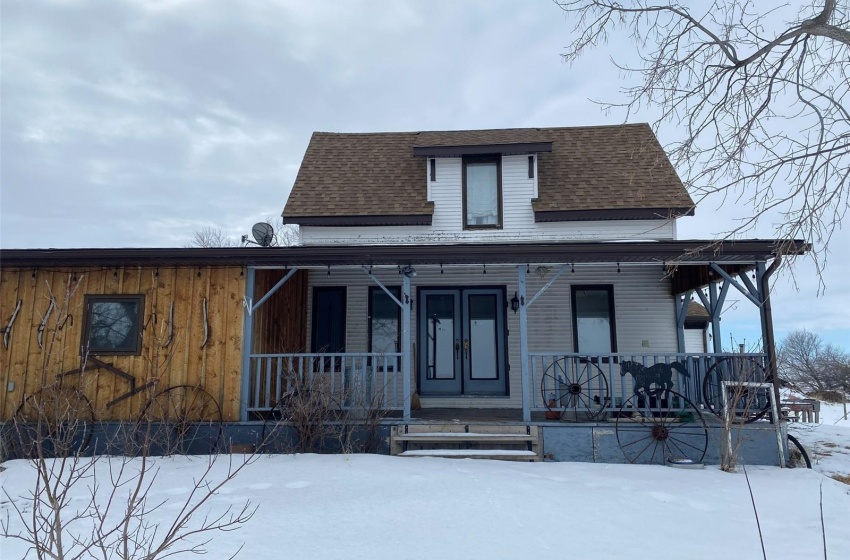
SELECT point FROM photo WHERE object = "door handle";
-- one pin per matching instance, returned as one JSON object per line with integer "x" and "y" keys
{"x": 457, "y": 348}
{"x": 466, "y": 348}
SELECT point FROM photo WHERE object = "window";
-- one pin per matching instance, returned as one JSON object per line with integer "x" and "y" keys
{"x": 482, "y": 192}
{"x": 113, "y": 325}
{"x": 328, "y": 334}
{"x": 384, "y": 323}
{"x": 594, "y": 331}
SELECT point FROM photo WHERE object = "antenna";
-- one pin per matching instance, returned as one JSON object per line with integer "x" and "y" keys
{"x": 263, "y": 234}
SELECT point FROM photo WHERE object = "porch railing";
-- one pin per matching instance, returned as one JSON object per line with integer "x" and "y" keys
{"x": 352, "y": 380}
{"x": 603, "y": 382}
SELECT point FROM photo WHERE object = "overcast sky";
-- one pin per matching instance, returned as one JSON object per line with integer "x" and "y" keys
{"x": 133, "y": 123}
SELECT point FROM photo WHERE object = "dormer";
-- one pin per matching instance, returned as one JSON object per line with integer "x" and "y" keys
{"x": 482, "y": 180}
{"x": 603, "y": 183}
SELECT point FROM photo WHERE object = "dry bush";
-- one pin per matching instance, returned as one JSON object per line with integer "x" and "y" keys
{"x": 843, "y": 478}
{"x": 345, "y": 420}
{"x": 99, "y": 506}
{"x": 743, "y": 403}
{"x": 835, "y": 397}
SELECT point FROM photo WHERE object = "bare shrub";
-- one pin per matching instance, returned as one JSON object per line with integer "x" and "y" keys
{"x": 743, "y": 403}
{"x": 323, "y": 418}
{"x": 98, "y": 506}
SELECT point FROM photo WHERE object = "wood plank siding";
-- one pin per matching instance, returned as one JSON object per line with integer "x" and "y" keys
{"x": 214, "y": 364}
{"x": 279, "y": 324}
{"x": 644, "y": 311}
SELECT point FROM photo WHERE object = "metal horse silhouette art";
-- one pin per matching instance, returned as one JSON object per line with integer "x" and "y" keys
{"x": 661, "y": 375}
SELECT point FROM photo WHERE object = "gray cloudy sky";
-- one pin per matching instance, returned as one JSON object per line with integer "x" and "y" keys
{"x": 136, "y": 122}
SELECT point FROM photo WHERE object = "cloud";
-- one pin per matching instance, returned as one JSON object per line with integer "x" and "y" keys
{"x": 133, "y": 123}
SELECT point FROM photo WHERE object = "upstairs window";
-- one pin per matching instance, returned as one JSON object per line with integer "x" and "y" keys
{"x": 113, "y": 325}
{"x": 482, "y": 192}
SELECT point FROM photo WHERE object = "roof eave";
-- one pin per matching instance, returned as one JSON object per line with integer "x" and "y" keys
{"x": 369, "y": 220}
{"x": 612, "y": 214}
{"x": 480, "y": 149}
{"x": 669, "y": 252}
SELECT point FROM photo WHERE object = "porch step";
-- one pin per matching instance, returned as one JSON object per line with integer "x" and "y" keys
{"x": 517, "y": 442}
{"x": 498, "y": 454}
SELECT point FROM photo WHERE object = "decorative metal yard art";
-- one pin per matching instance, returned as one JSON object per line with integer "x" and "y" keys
{"x": 57, "y": 421}
{"x": 750, "y": 402}
{"x": 574, "y": 388}
{"x": 657, "y": 424}
{"x": 183, "y": 420}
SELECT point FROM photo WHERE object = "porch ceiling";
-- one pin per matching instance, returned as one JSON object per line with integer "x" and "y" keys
{"x": 685, "y": 253}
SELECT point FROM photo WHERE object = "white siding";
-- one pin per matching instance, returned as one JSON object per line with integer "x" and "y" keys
{"x": 518, "y": 217}
{"x": 695, "y": 341}
{"x": 644, "y": 312}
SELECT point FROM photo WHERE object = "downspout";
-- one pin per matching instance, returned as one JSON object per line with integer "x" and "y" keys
{"x": 769, "y": 339}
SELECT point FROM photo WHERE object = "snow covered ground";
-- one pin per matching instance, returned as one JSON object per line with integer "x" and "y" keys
{"x": 378, "y": 507}
{"x": 828, "y": 442}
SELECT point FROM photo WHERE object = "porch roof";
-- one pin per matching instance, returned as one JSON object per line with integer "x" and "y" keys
{"x": 741, "y": 252}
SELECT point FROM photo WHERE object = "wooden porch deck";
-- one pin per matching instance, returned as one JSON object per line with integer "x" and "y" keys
{"x": 468, "y": 415}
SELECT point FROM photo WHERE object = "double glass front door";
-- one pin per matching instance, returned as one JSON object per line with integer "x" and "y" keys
{"x": 462, "y": 341}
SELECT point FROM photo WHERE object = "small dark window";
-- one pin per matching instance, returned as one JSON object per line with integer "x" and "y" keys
{"x": 328, "y": 320}
{"x": 482, "y": 192}
{"x": 113, "y": 325}
{"x": 433, "y": 169}
{"x": 384, "y": 324}
{"x": 531, "y": 167}
{"x": 594, "y": 332}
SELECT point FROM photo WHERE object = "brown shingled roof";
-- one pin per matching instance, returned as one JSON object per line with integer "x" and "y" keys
{"x": 589, "y": 170}
{"x": 697, "y": 312}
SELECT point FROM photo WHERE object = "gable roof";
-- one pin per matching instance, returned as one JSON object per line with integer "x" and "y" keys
{"x": 601, "y": 172}
{"x": 697, "y": 315}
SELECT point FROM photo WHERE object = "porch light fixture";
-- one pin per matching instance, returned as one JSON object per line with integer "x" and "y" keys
{"x": 409, "y": 271}
{"x": 515, "y": 303}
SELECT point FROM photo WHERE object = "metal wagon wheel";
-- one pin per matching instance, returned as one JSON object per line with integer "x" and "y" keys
{"x": 56, "y": 422}
{"x": 575, "y": 389}
{"x": 656, "y": 428}
{"x": 798, "y": 453}
{"x": 184, "y": 419}
{"x": 750, "y": 404}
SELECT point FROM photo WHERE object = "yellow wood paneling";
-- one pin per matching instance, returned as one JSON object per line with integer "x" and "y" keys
{"x": 181, "y": 361}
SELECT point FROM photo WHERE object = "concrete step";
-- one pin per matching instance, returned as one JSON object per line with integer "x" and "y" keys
{"x": 495, "y": 454}
{"x": 465, "y": 436}
{"x": 479, "y": 441}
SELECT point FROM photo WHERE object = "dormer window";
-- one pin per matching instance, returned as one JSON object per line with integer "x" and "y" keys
{"x": 482, "y": 192}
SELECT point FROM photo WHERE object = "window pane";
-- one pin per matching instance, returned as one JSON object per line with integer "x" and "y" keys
{"x": 482, "y": 194}
{"x": 384, "y": 321}
{"x": 440, "y": 352}
{"x": 113, "y": 326}
{"x": 329, "y": 320}
{"x": 482, "y": 337}
{"x": 593, "y": 322}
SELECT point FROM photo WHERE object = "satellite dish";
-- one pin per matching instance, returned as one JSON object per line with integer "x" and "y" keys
{"x": 263, "y": 233}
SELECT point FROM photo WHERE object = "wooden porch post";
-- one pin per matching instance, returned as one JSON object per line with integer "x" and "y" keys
{"x": 714, "y": 310}
{"x": 247, "y": 343}
{"x": 405, "y": 342}
{"x": 523, "y": 346}
{"x": 682, "y": 305}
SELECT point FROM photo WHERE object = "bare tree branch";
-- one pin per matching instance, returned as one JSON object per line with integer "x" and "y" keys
{"x": 759, "y": 104}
